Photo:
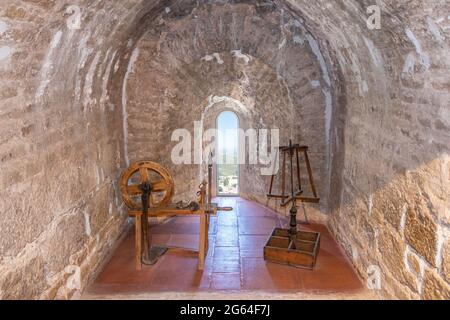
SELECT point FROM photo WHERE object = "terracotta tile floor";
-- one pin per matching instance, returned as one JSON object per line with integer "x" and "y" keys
{"x": 235, "y": 259}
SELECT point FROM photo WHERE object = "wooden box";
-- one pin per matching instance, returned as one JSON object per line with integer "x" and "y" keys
{"x": 280, "y": 250}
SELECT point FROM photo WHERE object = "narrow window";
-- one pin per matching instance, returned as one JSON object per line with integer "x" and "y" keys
{"x": 228, "y": 157}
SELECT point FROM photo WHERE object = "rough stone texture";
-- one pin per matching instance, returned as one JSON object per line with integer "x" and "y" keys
{"x": 420, "y": 232}
{"x": 434, "y": 287}
{"x": 177, "y": 80}
{"x": 446, "y": 261}
{"x": 379, "y": 123}
{"x": 60, "y": 150}
{"x": 26, "y": 281}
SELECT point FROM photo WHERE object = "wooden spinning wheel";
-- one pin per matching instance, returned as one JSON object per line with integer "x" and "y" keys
{"x": 162, "y": 186}
{"x": 147, "y": 189}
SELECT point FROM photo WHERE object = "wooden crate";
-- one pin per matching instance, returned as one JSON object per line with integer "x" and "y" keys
{"x": 279, "y": 249}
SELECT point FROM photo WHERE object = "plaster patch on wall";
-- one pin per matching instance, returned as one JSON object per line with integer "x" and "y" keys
{"x": 355, "y": 67}
{"x": 211, "y": 57}
{"x": 424, "y": 58}
{"x": 403, "y": 214}
{"x": 87, "y": 224}
{"x": 355, "y": 254}
{"x": 47, "y": 67}
{"x": 408, "y": 67}
{"x": 374, "y": 53}
{"x": 218, "y": 59}
{"x": 104, "y": 98}
{"x": 365, "y": 86}
{"x": 316, "y": 50}
{"x": 328, "y": 112}
{"x": 3, "y": 27}
{"x": 282, "y": 44}
{"x": 434, "y": 29}
{"x": 84, "y": 53}
{"x": 440, "y": 246}
{"x": 298, "y": 40}
{"x": 117, "y": 66}
{"x": 239, "y": 55}
{"x": 5, "y": 53}
{"x": 130, "y": 69}
{"x": 90, "y": 81}
{"x": 315, "y": 84}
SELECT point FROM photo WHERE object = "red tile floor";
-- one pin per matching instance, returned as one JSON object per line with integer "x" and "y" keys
{"x": 235, "y": 259}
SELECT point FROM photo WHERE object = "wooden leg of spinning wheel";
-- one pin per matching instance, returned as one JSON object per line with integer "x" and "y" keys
{"x": 208, "y": 221}
{"x": 202, "y": 242}
{"x": 138, "y": 241}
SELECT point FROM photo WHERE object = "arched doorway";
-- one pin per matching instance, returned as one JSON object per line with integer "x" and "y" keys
{"x": 227, "y": 177}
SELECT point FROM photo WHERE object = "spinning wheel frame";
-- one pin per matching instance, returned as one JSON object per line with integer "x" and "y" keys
{"x": 145, "y": 253}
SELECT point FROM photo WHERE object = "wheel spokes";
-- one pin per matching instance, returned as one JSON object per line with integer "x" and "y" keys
{"x": 160, "y": 185}
{"x": 144, "y": 174}
{"x": 134, "y": 190}
{"x": 157, "y": 186}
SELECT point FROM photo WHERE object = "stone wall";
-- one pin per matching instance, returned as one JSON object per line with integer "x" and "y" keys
{"x": 61, "y": 145}
{"x": 178, "y": 79}
{"x": 387, "y": 127}
{"x": 391, "y": 213}
{"x": 378, "y": 101}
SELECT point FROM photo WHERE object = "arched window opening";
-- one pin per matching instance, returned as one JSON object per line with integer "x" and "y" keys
{"x": 228, "y": 154}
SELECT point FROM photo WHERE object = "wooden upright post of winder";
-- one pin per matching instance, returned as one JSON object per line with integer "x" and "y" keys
{"x": 293, "y": 151}
{"x": 291, "y": 246}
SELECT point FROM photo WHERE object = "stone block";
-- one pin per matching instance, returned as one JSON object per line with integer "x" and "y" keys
{"x": 392, "y": 289}
{"x": 388, "y": 205}
{"x": 65, "y": 240}
{"x": 434, "y": 288}
{"x": 98, "y": 209}
{"x": 25, "y": 281}
{"x": 392, "y": 250}
{"x": 420, "y": 232}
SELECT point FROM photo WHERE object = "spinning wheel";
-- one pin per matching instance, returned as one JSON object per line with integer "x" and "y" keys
{"x": 147, "y": 189}
{"x": 146, "y": 173}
